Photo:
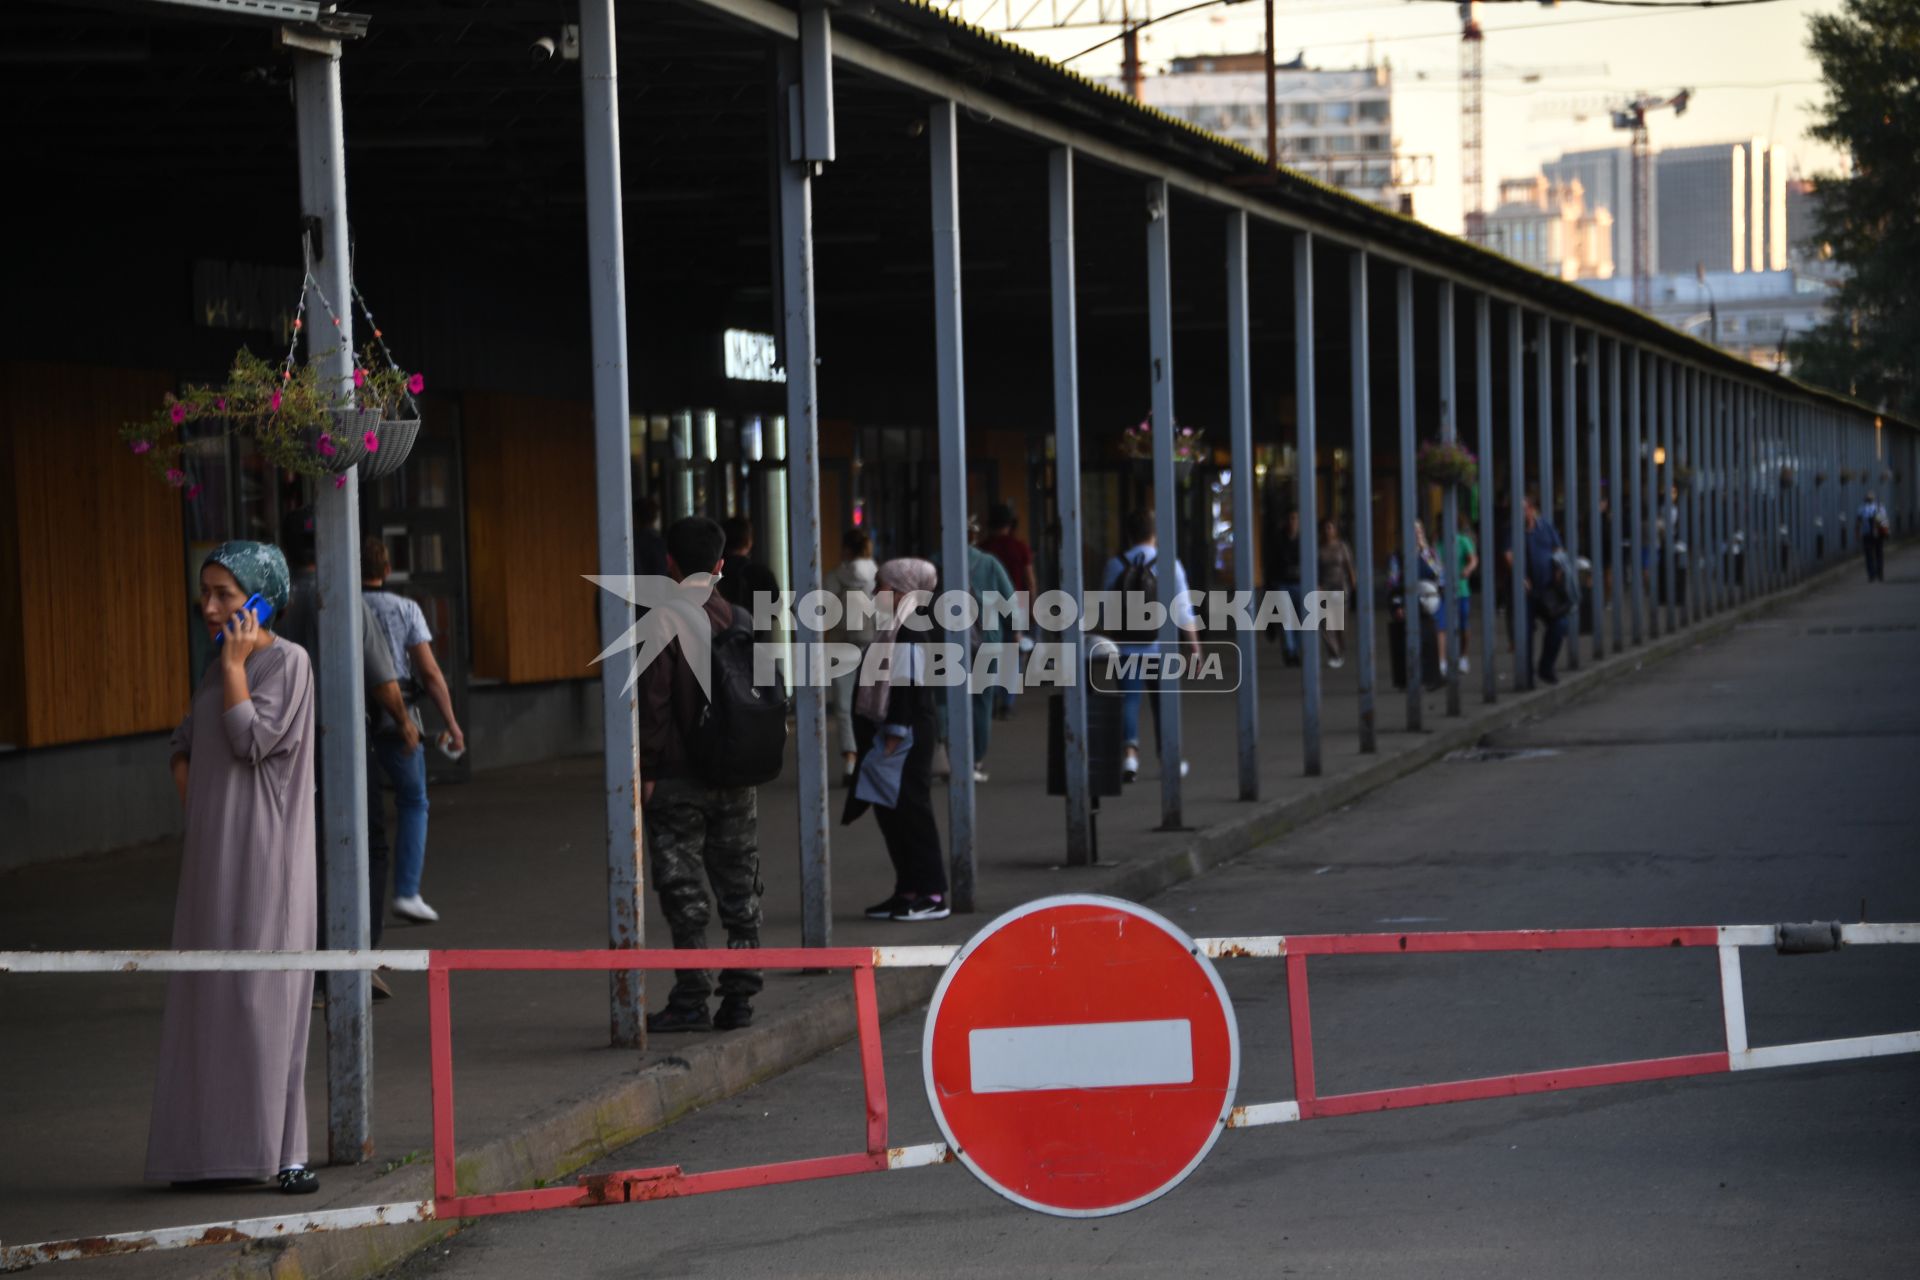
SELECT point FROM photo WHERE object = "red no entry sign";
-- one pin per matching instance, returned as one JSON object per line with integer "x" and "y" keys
{"x": 1081, "y": 1056}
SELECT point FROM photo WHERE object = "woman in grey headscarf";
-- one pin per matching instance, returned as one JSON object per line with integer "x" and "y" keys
{"x": 894, "y": 711}
{"x": 230, "y": 1103}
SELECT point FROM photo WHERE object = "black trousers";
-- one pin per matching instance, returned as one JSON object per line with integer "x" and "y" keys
{"x": 1875, "y": 549}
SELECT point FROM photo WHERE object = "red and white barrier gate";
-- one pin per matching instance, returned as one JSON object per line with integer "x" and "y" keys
{"x": 999, "y": 1059}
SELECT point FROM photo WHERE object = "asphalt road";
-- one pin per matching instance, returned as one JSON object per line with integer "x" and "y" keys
{"x": 1768, "y": 776}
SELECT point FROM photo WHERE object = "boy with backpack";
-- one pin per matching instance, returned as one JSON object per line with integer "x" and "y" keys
{"x": 701, "y": 756}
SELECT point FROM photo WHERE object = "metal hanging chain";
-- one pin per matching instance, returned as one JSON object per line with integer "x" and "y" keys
{"x": 380, "y": 340}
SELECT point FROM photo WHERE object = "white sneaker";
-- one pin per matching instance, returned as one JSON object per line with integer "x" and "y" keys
{"x": 1463, "y": 664}
{"x": 1185, "y": 768}
{"x": 1336, "y": 662}
{"x": 979, "y": 774}
{"x": 1130, "y": 765}
{"x": 415, "y": 909}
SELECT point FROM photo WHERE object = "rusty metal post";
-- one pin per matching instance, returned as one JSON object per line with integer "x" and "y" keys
{"x": 321, "y": 134}
{"x": 613, "y": 497}
{"x": 795, "y": 161}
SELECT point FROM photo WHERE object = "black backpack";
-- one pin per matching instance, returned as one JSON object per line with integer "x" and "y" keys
{"x": 1137, "y": 583}
{"x": 740, "y": 739}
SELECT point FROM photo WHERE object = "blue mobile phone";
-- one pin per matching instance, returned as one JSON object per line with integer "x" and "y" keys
{"x": 262, "y": 610}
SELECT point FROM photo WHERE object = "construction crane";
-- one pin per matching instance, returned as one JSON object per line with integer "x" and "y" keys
{"x": 1472, "y": 122}
{"x": 1632, "y": 117}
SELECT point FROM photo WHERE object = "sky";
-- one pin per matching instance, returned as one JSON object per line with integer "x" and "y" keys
{"x": 1749, "y": 68}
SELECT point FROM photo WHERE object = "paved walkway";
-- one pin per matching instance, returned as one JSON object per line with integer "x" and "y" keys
{"x": 516, "y": 861}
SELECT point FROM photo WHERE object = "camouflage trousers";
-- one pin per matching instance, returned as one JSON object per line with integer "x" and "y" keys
{"x": 696, "y": 835}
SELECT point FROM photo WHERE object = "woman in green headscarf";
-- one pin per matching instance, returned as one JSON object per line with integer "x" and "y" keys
{"x": 230, "y": 1103}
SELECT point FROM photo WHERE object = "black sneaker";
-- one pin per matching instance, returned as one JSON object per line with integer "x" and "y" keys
{"x": 735, "y": 1012}
{"x": 1548, "y": 677}
{"x": 885, "y": 910}
{"x": 298, "y": 1182}
{"x": 680, "y": 1017}
{"x": 931, "y": 906}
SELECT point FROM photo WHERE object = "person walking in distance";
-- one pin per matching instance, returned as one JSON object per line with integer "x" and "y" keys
{"x": 1337, "y": 577}
{"x": 852, "y": 583}
{"x": 1466, "y": 561}
{"x": 744, "y": 581}
{"x": 405, "y": 762}
{"x": 1283, "y": 574}
{"x": 299, "y": 622}
{"x": 1874, "y": 528}
{"x": 896, "y": 717}
{"x": 230, "y": 1101}
{"x": 1547, "y": 601}
{"x": 1134, "y": 574}
{"x": 1004, "y": 544}
{"x": 701, "y": 821}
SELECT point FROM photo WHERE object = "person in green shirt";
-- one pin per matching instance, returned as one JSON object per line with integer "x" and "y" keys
{"x": 1466, "y": 559}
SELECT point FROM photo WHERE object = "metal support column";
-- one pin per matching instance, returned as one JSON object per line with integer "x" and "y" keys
{"x": 1306, "y": 496}
{"x": 1066, "y": 450}
{"x": 950, "y": 384}
{"x": 1543, "y": 426}
{"x": 613, "y": 500}
{"x": 1240, "y": 437}
{"x": 1616, "y": 502}
{"x": 1409, "y": 495}
{"x": 1518, "y": 615}
{"x": 321, "y": 134}
{"x": 1446, "y": 540}
{"x": 1598, "y": 550}
{"x": 1636, "y": 493}
{"x": 1166, "y": 494}
{"x": 1483, "y": 415}
{"x": 1663, "y": 488}
{"x": 1570, "y": 475}
{"x": 1689, "y": 500}
{"x": 1359, "y": 347}
{"x": 795, "y": 173}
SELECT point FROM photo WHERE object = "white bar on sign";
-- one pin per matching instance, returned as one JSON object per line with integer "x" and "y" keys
{"x": 1081, "y": 1055}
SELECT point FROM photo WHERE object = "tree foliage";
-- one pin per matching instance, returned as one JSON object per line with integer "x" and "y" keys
{"x": 1869, "y": 220}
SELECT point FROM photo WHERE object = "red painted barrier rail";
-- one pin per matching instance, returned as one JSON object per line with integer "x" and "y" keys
{"x": 660, "y": 1182}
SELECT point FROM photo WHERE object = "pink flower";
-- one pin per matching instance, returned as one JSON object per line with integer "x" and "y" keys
{"x": 340, "y": 482}
{"x": 141, "y": 446}
{"x": 193, "y": 491}
{"x": 177, "y": 414}
{"x": 372, "y": 442}
{"x": 416, "y": 384}
{"x": 273, "y": 401}
{"x": 176, "y": 477}
{"x": 359, "y": 377}
{"x": 220, "y": 405}
{"x": 326, "y": 445}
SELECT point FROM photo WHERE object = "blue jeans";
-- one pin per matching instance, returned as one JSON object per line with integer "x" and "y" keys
{"x": 407, "y": 771}
{"x": 1289, "y": 638}
{"x": 1133, "y": 688}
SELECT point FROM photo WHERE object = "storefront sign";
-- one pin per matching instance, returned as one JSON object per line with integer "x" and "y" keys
{"x": 751, "y": 357}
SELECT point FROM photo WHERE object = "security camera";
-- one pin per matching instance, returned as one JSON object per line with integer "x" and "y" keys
{"x": 541, "y": 50}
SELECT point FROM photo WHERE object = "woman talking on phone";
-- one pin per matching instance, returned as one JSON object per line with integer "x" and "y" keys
{"x": 230, "y": 1103}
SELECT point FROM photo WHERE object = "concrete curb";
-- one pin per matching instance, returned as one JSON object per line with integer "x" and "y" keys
{"x": 563, "y": 1139}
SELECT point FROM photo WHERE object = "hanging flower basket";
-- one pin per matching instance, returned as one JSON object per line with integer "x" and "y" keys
{"x": 1846, "y": 475}
{"x": 1819, "y": 478}
{"x": 1449, "y": 464}
{"x": 1786, "y": 477}
{"x": 297, "y": 417}
{"x": 1683, "y": 478}
{"x": 1189, "y": 443}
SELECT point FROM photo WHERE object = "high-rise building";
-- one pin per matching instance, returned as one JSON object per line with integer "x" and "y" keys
{"x": 1336, "y": 126}
{"x": 1702, "y": 212}
{"x": 1550, "y": 227}
{"x": 1606, "y": 175}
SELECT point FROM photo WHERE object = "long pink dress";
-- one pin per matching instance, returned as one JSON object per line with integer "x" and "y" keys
{"x": 230, "y": 1102}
